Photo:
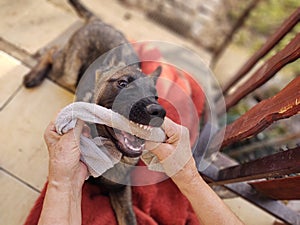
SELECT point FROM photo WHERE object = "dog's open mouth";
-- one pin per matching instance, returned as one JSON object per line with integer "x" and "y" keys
{"x": 129, "y": 144}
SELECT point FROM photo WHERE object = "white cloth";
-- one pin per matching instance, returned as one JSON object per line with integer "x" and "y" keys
{"x": 94, "y": 154}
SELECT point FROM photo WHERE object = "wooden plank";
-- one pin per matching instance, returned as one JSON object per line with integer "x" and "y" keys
{"x": 282, "y": 163}
{"x": 286, "y": 27}
{"x": 274, "y": 207}
{"x": 283, "y": 105}
{"x": 281, "y": 189}
{"x": 246, "y": 191}
{"x": 290, "y": 53}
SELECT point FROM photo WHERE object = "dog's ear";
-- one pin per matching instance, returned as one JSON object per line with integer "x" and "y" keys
{"x": 156, "y": 73}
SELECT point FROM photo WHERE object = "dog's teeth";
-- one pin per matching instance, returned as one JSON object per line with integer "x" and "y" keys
{"x": 145, "y": 127}
{"x": 132, "y": 147}
{"x": 141, "y": 126}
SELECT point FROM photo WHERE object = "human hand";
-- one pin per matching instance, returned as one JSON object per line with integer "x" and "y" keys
{"x": 175, "y": 153}
{"x": 65, "y": 167}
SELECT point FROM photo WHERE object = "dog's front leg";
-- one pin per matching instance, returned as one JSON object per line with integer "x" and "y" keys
{"x": 122, "y": 204}
{"x": 41, "y": 70}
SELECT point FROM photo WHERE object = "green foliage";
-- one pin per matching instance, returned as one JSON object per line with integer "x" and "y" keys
{"x": 269, "y": 15}
{"x": 264, "y": 20}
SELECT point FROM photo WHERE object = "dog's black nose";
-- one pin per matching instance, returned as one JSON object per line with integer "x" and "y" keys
{"x": 156, "y": 110}
{"x": 157, "y": 114}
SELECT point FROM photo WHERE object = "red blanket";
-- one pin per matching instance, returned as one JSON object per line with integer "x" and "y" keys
{"x": 160, "y": 203}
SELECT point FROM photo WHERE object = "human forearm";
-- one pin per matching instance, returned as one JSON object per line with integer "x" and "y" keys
{"x": 209, "y": 208}
{"x": 62, "y": 205}
{"x": 175, "y": 155}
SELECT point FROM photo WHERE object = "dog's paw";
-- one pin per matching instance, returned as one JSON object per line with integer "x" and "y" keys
{"x": 35, "y": 77}
{"x": 30, "y": 80}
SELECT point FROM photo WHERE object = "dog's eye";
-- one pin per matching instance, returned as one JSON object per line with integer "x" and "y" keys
{"x": 122, "y": 83}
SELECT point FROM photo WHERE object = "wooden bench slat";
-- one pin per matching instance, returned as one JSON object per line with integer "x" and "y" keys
{"x": 246, "y": 191}
{"x": 280, "y": 189}
{"x": 285, "y": 28}
{"x": 282, "y": 163}
{"x": 290, "y": 53}
{"x": 283, "y": 105}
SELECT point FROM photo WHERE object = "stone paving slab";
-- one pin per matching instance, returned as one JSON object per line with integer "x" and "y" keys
{"x": 30, "y": 24}
{"x": 138, "y": 27}
{"x": 11, "y": 75}
{"x": 23, "y": 121}
{"x": 15, "y": 197}
{"x": 248, "y": 213}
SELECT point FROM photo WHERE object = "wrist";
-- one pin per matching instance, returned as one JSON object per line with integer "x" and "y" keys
{"x": 66, "y": 179}
{"x": 62, "y": 204}
{"x": 64, "y": 188}
{"x": 188, "y": 177}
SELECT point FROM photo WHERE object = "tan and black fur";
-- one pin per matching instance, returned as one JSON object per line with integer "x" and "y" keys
{"x": 118, "y": 84}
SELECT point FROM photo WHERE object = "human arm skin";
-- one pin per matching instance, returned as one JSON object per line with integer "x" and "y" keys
{"x": 62, "y": 203}
{"x": 209, "y": 208}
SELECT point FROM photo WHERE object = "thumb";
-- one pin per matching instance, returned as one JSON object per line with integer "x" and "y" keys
{"x": 161, "y": 150}
{"x": 172, "y": 131}
{"x": 151, "y": 145}
{"x": 78, "y": 129}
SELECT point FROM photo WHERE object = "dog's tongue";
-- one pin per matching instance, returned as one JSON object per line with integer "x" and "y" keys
{"x": 132, "y": 141}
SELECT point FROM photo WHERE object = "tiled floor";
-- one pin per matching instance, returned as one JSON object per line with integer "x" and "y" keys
{"x": 23, "y": 117}
{"x": 24, "y": 114}
{"x": 32, "y": 24}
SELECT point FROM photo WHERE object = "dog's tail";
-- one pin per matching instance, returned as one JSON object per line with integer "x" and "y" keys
{"x": 81, "y": 10}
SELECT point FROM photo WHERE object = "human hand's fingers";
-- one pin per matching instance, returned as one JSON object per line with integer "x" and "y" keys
{"x": 78, "y": 129}
{"x": 175, "y": 152}
{"x": 172, "y": 130}
{"x": 51, "y": 137}
{"x": 86, "y": 131}
{"x": 161, "y": 150}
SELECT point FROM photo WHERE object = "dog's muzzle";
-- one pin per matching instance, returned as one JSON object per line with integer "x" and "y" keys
{"x": 146, "y": 117}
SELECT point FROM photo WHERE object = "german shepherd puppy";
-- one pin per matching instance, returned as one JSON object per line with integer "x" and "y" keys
{"x": 127, "y": 91}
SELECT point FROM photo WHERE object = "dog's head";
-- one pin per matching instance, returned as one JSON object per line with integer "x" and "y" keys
{"x": 132, "y": 94}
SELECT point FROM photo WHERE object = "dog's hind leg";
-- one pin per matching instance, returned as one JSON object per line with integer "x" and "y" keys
{"x": 36, "y": 76}
{"x": 72, "y": 70}
{"x": 122, "y": 204}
